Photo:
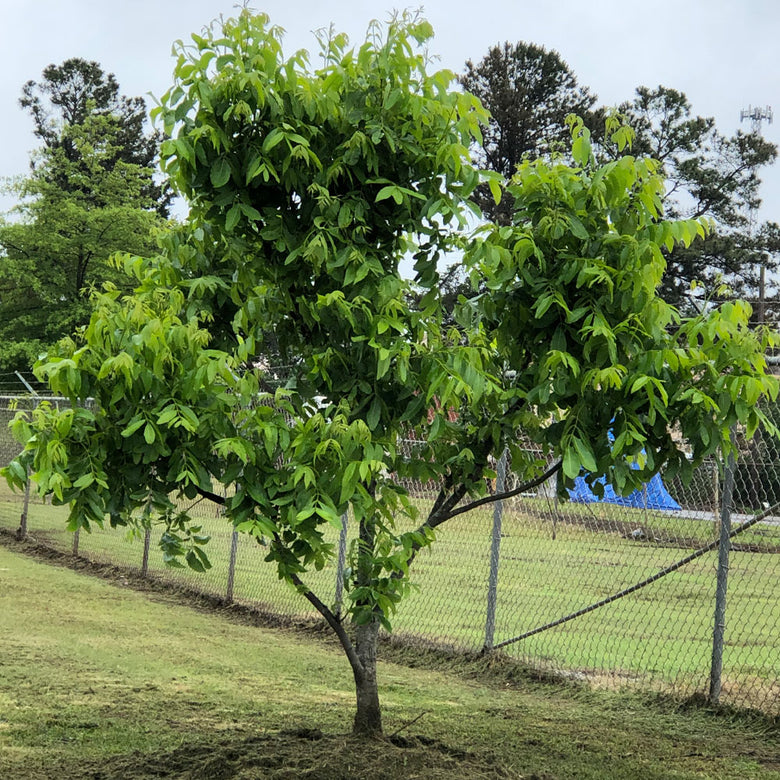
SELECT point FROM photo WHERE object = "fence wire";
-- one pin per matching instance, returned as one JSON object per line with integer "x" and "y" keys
{"x": 537, "y": 577}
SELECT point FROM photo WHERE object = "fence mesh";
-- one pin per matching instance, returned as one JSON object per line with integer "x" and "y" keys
{"x": 500, "y": 574}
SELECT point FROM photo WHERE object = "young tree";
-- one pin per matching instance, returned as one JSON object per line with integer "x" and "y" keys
{"x": 529, "y": 91}
{"x": 307, "y": 188}
{"x": 81, "y": 204}
{"x": 68, "y": 95}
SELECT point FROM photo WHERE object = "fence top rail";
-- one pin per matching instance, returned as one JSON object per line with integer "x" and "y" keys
{"x": 38, "y": 397}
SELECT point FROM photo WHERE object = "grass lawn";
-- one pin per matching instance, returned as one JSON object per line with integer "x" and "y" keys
{"x": 100, "y": 680}
{"x": 659, "y": 637}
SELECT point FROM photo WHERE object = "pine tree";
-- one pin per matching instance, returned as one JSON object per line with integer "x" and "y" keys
{"x": 529, "y": 91}
{"x": 70, "y": 93}
{"x": 709, "y": 175}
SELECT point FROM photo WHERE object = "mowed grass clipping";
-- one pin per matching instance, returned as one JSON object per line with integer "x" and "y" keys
{"x": 99, "y": 680}
{"x": 659, "y": 637}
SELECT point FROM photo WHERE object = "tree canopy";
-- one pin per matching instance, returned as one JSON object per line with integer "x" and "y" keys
{"x": 88, "y": 195}
{"x": 708, "y": 175}
{"x": 307, "y": 187}
{"x": 68, "y": 95}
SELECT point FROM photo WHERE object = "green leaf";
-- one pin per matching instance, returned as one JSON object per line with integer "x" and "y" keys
{"x": 233, "y": 215}
{"x": 349, "y": 481}
{"x": 84, "y": 481}
{"x": 270, "y": 439}
{"x": 578, "y": 229}
{"x": 16, "y": 472}
{"x": 329, "y": 514}
{"x": 134, "y": 425}
{"x": 194, "y": 562}
{"x": 149, "y": 434}
{"x": 374, "y": 412}
{"x": 250, "y": 211}
{"x": 571, "y": 463}
{"x": 581, "y": 149}
{"x": 345, "y": 216}
{"x": 272, "y": 139}
{"x": 585, "y": 454}
{"x": 220, "y": 172}
{"x": 391, "y": 191}
{"x": 495, "y": 190}
{"x": 167, "y": 415}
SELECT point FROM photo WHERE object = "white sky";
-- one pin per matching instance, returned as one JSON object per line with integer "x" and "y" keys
{"x": 721, "y": 53}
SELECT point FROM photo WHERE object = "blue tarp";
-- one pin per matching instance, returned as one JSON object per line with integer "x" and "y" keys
{"x": 654, "y": 495}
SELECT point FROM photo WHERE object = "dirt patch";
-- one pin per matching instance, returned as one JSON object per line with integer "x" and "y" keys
{"x": 303, "y": 753}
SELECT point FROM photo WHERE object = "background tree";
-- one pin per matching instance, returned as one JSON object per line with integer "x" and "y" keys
{"x": 529, "y": 91}
{"x": 69, "y": 94}
{"x": 708, "y": 175}
{"x": 87, "y": 197}
{"x": 307, "y": 188}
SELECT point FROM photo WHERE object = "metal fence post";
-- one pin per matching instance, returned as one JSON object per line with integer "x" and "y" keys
{"x": 724, "y": 546}
{"x": 340, "y": 564}
{"x": 232, "y": 565}
{"x": 495, "y": 549}
{"x": 22, "y": 531}
{"x": 715, "y": 496}
{"x": 145, "y": 559}
{"x": 21, "y": 534}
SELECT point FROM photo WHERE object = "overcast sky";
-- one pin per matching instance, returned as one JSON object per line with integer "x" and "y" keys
{"x": 721, "y": 53}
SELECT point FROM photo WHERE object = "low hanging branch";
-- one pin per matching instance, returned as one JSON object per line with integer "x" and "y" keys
{"x": 332, "y": 620}
{"x": 214, "y": 497}
{"x": 639, "y": 585}
{"x": 526, "y": 486}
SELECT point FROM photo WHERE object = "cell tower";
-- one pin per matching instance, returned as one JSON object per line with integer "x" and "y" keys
{"x": 756, "y": 115}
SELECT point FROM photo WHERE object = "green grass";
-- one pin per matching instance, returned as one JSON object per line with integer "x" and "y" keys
{"x": 101, "y": 680}
{"x": 659, "y": 637}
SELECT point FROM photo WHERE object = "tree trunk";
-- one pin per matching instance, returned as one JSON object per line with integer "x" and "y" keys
{"x": 368, "y": 718}
{"x": 362, "y": 658}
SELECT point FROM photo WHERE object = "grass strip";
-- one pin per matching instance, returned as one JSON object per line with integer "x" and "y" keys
{"x": 101, "y": 680}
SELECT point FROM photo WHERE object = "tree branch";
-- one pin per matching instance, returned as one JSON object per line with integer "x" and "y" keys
{"x": 507, "y": 494}
{"x": 706, "y": 203}
{"x": 438, "y": 515}
{"x": 307, "y": 593}
{"x": 439, "y": 499}
{"x": 215, "y": 497}
{"x": 438, "y": 519}
{"x": 8, "y": 245}
{"x": 333, "y": 622}
{"x": 310, "y": 596}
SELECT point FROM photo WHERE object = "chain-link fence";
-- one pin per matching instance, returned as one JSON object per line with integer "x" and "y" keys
{"x": 650, "y": 591}
{"x": 14, "y": 383}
